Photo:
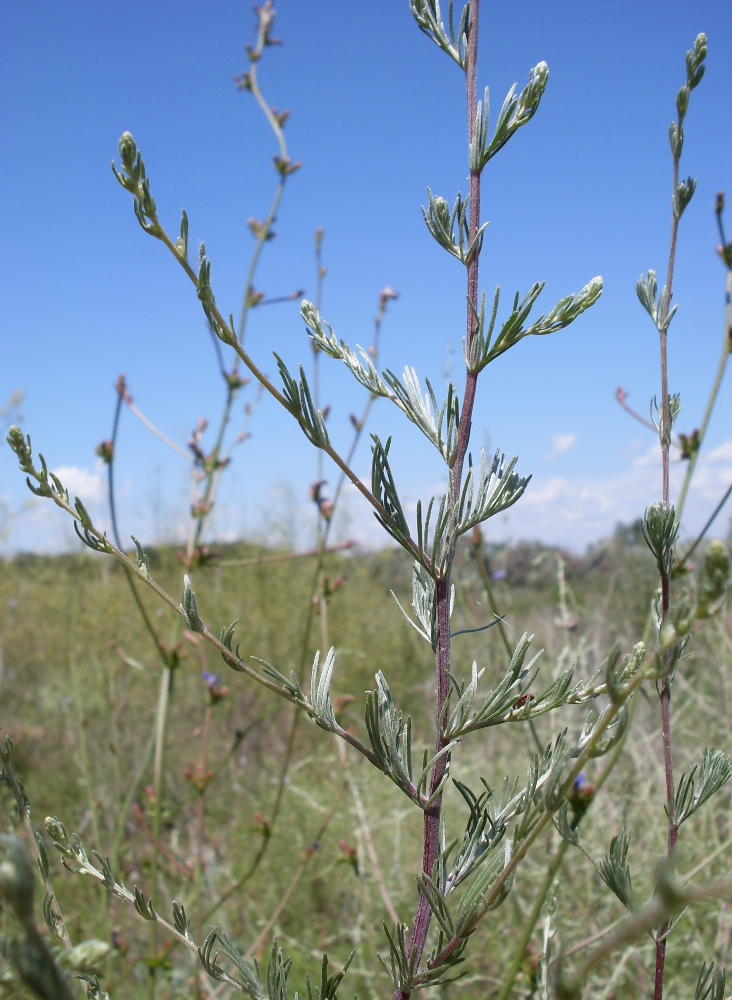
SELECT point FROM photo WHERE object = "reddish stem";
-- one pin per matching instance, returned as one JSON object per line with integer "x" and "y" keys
{"x": 432, "y": 815}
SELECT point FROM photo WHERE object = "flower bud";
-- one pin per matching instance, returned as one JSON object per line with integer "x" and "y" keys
{"x": 682, "y": 101}
{"x": 127, "y": 151}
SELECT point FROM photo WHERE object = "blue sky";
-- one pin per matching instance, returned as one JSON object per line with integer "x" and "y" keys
{"x": 377, "y": 117}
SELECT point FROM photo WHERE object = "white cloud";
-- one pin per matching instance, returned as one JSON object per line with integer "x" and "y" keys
{"x": 722, "y": 453}
{"x": 89, "y": 486}
{"x": 38, "y": 525}
{"x": 561, "y": 443}
{"x": 574, "y": 512}
{"x": 650, "y": 458}
{"x": 569, "y": 511}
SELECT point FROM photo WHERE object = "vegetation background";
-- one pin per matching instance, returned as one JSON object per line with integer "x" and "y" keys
{"x": 80, "y": 702}
{"x": 79, "y": 685}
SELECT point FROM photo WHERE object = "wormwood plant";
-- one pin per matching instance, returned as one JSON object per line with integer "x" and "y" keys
{"x": 470, "y": 862}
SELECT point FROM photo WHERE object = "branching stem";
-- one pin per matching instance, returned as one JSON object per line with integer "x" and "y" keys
{"x": 433, "y": 814}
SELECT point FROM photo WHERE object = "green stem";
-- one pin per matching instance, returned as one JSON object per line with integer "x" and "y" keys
{"x": 121, "y": 395}
{"x": 130, "y": 797}
{"x": 198, "y": 868}
{"x": 523, "y": 942}
{"x": 711, "y": 402}
{"x": 665, "y": 686}
{"x": 161, "y": 726}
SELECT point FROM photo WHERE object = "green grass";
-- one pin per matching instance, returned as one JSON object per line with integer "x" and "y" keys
{"x": 79, "y": 694}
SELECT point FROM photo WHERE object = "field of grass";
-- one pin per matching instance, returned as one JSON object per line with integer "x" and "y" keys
{"x": 325, "y": 866}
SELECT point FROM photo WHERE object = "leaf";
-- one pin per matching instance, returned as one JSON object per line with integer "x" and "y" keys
{"x": 614, "y": 870}
{"x": 693, "y": 789}
{"x": 391, "y": 740}
{"x": 320, "y": 692}
{"x": 453, "y": 43}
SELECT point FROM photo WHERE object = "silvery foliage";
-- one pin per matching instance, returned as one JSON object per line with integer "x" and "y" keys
{"x": 501, "y": 827}
{"x": 439, "y": 424}
{"x": 484, "y": 349}
{"x": 654, "y": 304}
{"x": 247, "y": 978}
{"x": 710, "y": 984}
{"x": 515, "y": 112}
{"x": 429, "y": 18}
{"x": 614, "y": 870}
{"x": 701, "y": 783}
{"x": 451, "y": 228}
{"x": 423, "y": 602}
{"x": 484, "y": 493}
{"x": 674, "y": 408}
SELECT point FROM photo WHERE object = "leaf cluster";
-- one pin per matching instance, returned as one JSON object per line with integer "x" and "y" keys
{"x": 451, "y": 228}
{"x": 482, "y": 349}
{"x": 515, "y": 112}
{"x": 614, "y": 870}
{"x": 700, "y": 784}
{"x": 49, "y": 485}
{"x": 452, "y": 42}
{"x": 438, "y": 423}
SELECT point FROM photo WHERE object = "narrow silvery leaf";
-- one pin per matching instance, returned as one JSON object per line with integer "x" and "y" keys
{"x": 301, "y": 406}
{"x": 614, "y": 871}
{"x": 683, "y": 195}
{"x": 694, "y": 59}
{"x": 438, "y": 424}
{"x": 384, "y": 489}
{"x": 646, "y": 289}
{"x": 180, "y": 920}
{"x": 516, "y": 111}
{"x": 189, "y": 610}
{"x": 702, "y": 782}
{"x": 141, "y": 559}
{"x": 479, "y": 139}
{"x": 710, "y": 984}
{"x": 391, "y": 740}
{"x": 495, "y": 490}
{"x": 498, "y": 703}
{"x": 465, "y": 697}
{"x": 434, "y": 896}
{"x": 291, "y": 685}
{"x": 661, "y": 532}
{"x": 144, "y": 906}
{"x": 453, "y": 43}
{"x": 439, "y": 221}
{"x": 483, "y": 833}
{"x": 423, "y": 410}
{"x": 181, "y": 244}
{"x": 473, "y": 900}
{"x": 423, "y": 602}
{"x": 320, "y": 692}
{"x": 564, "y": 828}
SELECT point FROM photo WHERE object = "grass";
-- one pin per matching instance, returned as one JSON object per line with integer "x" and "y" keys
{"x": 79, "y": 702}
